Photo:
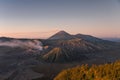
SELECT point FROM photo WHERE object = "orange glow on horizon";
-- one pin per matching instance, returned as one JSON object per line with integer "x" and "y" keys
{"x": 44, "y": 35}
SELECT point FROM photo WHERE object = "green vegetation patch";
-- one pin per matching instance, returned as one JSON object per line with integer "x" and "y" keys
{"x": 84, "y": 72}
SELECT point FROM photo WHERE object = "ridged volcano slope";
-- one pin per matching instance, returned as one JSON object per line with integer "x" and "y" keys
{"x": 63, "y": 55}
{"x": 72, "y": 50}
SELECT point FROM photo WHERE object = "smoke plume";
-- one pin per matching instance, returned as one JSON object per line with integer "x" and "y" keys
{"x": 30, "y": 44}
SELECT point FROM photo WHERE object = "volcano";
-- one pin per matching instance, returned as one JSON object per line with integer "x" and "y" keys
{"x": 61, "y": 35}
{"x": 64, "y": 47}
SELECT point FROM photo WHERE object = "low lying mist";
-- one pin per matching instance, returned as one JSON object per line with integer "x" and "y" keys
{"x": 30, "y": 44}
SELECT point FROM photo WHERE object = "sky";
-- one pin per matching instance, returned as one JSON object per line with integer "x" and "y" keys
{"x": 42, "y": 18}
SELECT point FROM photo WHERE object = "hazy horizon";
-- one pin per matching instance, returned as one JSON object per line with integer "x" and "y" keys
{"x": 43, "y": 18}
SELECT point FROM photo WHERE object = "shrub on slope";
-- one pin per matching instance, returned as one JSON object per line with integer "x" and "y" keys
{"x": 101, "y": 72}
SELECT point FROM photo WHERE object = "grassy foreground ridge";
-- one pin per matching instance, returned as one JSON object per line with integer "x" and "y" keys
{"x": 101, "y": 72}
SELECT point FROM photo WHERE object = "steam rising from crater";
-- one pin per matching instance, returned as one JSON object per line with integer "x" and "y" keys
{"x": 28, "y": 44}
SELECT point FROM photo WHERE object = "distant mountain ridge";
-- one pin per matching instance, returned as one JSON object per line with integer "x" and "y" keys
{"x": 113, "y": 39}
{"x": 62, "y": 35}
{"x": 6, "y": 39}
{"x": 65, "y": 47}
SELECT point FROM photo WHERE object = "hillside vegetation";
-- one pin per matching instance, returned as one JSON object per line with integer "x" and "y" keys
{"x": 101, "y": 72}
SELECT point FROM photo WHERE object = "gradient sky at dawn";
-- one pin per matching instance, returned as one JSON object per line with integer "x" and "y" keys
{"x": 42, "y": 18}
